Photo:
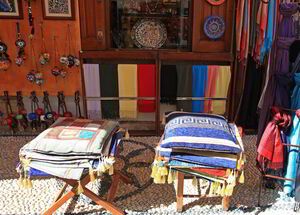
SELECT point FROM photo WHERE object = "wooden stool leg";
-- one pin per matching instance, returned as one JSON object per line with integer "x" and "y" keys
{"x": 57, "y": 204}
{"x": 113, "y": 188}
{"x": 179, "y": 194}
{"x": 108, "y": 206}
{"x": 226, "y": 203}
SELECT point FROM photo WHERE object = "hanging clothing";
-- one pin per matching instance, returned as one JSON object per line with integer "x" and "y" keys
{"x": 270, "y": 150}
{"x": 239, "y": 23}
{"x": 222, "y": 83}
{"x": 267, "y": 44}
{"x": 146, "y": 87}
{"x": 127, "y": 75}
{"x": 92, "y": 89}
{"x": 109, "y": 88}
{"x": 199, "y": 84}
{"x": 168, "y": 84}
{"x": 184, "y": 86}
{"x": 293, "y": 155}
{"x": 245, "y": 32}
{"x": 254, "y": 10}
{"x": 278, "y": 89}
{"x": 248, "y": 117}
{"x": 210, "y": 90}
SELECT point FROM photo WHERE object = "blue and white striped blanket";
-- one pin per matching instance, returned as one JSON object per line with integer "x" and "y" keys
{"x": 202, "y": 132}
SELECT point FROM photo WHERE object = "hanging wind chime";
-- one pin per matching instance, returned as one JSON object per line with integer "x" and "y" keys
{"x": 56, "y": 71}
{"x": 34, "y": 76}
{"x": 44, "y": 56}
{"x": 69, "y": 59}
{"x": 20, "y": 44}
{"x": 5, "y": 61}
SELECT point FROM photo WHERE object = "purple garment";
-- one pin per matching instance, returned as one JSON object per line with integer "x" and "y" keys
{"x": 278, "y": 89}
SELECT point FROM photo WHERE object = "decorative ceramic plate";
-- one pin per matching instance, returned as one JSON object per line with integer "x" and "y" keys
{"x": 149, "y": 34}
{"x": 216, "y": 2}
{"x": 214, "y": 27}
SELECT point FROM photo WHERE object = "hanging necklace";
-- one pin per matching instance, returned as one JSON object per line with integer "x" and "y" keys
{"x": 20, "y": 44}
{"x": 44, "y": 56}
{"x": 30, "y": 19}
{"x": 56, "y": 71}
{"x": 152, "y": 10}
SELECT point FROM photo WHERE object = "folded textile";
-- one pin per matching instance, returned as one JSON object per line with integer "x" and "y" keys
{"x": 69, "y": 148}
{"x": 207, "y": 132}
{"x": 69, "y": 136}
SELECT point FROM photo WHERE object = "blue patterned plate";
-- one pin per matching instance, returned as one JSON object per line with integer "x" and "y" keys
{"x": 214, "y": 27}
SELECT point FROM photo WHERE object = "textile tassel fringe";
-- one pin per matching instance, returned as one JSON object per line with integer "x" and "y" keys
{"x": 20, "y": 181}
{"x": 170, "y": 177}
{"x": 242, "y": 178}
{"x": 29, "y": 183}
{"x": 211, "y": 189}
{"x": 163, "y": 121}
{"x": 92, "y": 175}
{"x": 229, "y": 190}
{"x": 194, "y": 181}
{"x": 111, "y": 170}
{"x": 127, "y": 136}
{"x": 154, "y": 171}
{"x": 222, "y": 193}
{"x": 79, "y": 188}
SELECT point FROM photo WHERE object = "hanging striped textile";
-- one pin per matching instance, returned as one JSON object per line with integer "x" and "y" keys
{"x": 127, "y": 75}
{"x": 199, "y": 84}
{"x": 210, "y": 90}
{"x": 184, "y": 86}
{"x": 146, "y": 87}
{"x": 92, "y": 89}
{"x": 109, "y": 88}
{"x": 223, "y": 81}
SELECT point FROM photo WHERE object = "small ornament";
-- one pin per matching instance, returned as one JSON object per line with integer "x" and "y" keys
{"x": 55, "y": 71}
{"x": 19, "y": 61}
{"x": 20, "y": 44}
{"x": 39, "y": 111}
{"x": 49, "y": 115}
{"x": 214, "y": 27}
{"x": 71, "y": 61}
{"x": 67, "y": 114}
{"x": 3, "y": 48}
{"x": 31, "y": 76}
{"x": 44, "y": 58}
{"x": 63, "y": 73}
{"x": 32, "y": 116}
{"x": 5, "y": 62}
{"x": 39, "y": 82}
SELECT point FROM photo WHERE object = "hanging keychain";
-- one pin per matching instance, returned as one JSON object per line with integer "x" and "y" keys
{"x": 56, "y": 71}
{"x": 5, "y": 61}
{"x": 44, "y": 56}
{"x": 77, "y": 104}
{"x": 20, "y": 44}
{"x": 50, "y": 115}
{"x": 36, "y": 111}
{"x": 10, "y": 119}
{"x": 30, "y": 20}
{"x": 62, "y": 105}
{"x": 22, "y": 113}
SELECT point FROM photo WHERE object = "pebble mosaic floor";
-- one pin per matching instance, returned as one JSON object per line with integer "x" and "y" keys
{"x": 143, "y": 197}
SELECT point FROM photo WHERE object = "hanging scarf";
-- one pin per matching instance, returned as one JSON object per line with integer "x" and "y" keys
{"x": 210, "y": 90}
{"x": 293, "y": 155}
{"x": 146, "y": 87}
{"x": 184, "y": 86}
{"x": 245, "y": 32}
{"x": 222, "y": 85}
{"x": 109, "y": 88}
{"x": 199, "y": 83}
{"x": 168, "y": 84}
{"x": 270, "y": 149}
{"x": 267, "y": 44}
{"x": 127, "y": 75}
{"x": 239, "y": 24}
{"x": 92, "y": 89}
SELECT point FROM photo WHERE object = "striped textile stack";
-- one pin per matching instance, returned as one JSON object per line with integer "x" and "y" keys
{"x": 203, "y": 145}
{"x": 70, "y": 149}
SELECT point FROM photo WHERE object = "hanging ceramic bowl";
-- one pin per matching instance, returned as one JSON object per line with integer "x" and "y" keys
{"x": 216, "y": 2}
{"x": 214, "y": 27}
{"x": 32, "y": 116}
{"x": 44, "y": 58}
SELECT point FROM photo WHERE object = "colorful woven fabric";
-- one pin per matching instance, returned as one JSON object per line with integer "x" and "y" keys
{"x": 146, "y": 86}
{"x": 199, "y": 85}
{"x": 127, "y": 75}
{"x": 210, "y": 90}
{"x": 207, "y": 132}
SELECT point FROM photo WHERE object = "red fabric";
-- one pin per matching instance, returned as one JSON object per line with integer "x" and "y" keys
{"x": 213, "y": 172}
{"x": 270, "y": 149}
{"x": 146, "y": 87}
{"x": 210, "y": 90}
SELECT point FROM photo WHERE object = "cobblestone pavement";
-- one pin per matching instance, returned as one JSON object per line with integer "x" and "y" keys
{"x": 143, "y": 197}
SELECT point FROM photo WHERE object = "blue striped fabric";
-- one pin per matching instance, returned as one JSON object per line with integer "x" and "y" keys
{"x": 205, "y": 132}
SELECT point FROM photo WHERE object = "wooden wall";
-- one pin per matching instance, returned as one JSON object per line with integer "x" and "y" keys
{"x": 14, "y": 79}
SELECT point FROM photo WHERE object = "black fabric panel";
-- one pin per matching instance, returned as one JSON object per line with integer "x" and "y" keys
{"x": 109, "y": 88}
